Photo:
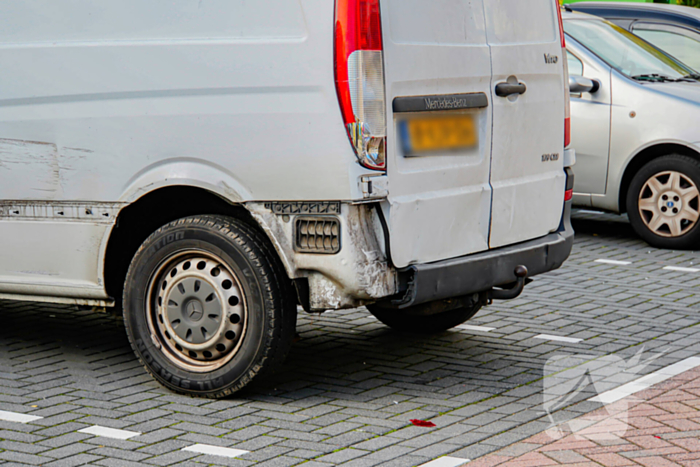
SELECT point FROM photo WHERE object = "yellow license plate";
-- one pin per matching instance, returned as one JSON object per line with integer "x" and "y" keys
{"x": 434, "y": 134}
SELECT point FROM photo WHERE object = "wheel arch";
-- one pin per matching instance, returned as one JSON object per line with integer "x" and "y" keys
{"x": 140, "y": 218}
{"x": 645, "y": 156}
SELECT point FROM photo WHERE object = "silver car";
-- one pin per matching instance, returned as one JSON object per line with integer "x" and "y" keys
{"x": 675, "y": 29}
{"x": 634, "y": 127}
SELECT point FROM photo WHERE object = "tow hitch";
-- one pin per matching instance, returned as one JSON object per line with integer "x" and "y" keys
{"x": 515, "y": 290}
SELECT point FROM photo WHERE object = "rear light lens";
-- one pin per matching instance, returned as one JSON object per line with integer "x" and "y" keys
{"x": 567, "y": 97}
{"x": 568, "y": 195}
{"x": 359, "y": 78}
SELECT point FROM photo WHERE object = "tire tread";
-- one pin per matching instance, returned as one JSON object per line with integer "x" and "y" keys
{"x": 275, "y": 285}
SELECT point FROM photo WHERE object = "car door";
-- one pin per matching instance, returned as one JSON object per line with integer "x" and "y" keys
{"x": 527, "y": 175}
{"x": 590, "y": 123}
{"x": 437, "y": 66}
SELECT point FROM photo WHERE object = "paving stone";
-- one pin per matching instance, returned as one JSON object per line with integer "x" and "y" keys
{"x": 342, "y": 455}
{"x": 68, "y": 450}
{"x": 80, "y": 459}
{"x": 171, "y": 458}
{"x": 164, "y": 447}
{"x": 19, "y": 446}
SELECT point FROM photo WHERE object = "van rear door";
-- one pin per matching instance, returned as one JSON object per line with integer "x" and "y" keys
{"x": 438, "y": 79}
{"x": 527, "y": 174}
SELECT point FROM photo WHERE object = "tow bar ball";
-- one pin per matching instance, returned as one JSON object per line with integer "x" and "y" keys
{"x": 514, "y": 291}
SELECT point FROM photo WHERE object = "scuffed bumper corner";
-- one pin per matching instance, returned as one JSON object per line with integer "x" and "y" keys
{"x": 356, "y": 275}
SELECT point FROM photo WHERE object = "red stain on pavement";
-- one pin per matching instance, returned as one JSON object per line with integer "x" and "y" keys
{"x": 423, "y": 423}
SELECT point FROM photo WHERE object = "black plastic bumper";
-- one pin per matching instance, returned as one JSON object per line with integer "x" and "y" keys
{"x": 494, "y": 268}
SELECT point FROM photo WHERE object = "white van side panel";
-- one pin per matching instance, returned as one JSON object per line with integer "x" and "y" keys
{"x": 527, "y": 171}
{"x": 106, "y": 101}
{"x": 162, "y": 20}
{"x": 60, "y": 259}
{"x": 130, "y": 84}
{"x": 440, "y": 202}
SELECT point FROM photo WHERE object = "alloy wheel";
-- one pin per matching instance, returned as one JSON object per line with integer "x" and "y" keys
{"x": 668, "y": 204}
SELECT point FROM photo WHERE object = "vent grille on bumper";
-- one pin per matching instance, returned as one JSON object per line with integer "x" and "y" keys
{"x": 317, "y": 235}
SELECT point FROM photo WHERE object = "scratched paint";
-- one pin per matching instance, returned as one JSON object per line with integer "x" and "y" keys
{"x": 35, "y": 163}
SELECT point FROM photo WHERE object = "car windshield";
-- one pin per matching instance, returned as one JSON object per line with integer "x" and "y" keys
{"x": 626, "y": 52}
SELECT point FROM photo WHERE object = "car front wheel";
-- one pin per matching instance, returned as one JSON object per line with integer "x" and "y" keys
{"x": 663, "y": 202}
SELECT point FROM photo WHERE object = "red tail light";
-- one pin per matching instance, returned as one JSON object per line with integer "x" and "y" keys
{"x": 568, "y": 195}
{"x": 567, "y": 111}
{"x": 359, "y": 78}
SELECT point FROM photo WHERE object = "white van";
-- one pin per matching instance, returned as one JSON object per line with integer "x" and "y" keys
{"x": 207, "y": 165}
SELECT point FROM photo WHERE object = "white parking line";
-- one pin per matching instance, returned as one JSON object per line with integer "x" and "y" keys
{"x": 612, "y": 261}
{"x": 676, "y": 268}
{"x": 647, "y": 381}
{"x": 446, "y": 462}
{"x": 469, "y": 327}
{"x": 547, "y": 337}
{"x": 18, "y": 417}
{"x": 105, "y": 432}
{"x": 215, "y": 450}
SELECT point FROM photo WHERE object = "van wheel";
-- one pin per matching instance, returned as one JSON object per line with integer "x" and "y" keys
{"x": 207, "y": 306}
{"x": 663, "y": 202}
{"x": 426, "y": 318}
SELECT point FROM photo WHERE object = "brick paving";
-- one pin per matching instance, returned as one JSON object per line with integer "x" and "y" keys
{"x": 657, "y": 427}
{"x": 351, "y": 385}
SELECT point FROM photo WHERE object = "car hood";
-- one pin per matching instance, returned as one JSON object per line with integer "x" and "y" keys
{"x": 689, "y": 92}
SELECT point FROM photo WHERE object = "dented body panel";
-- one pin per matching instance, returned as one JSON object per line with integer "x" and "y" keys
{"x": 360, "y": 273}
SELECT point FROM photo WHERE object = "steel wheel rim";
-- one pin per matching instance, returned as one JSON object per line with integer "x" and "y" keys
{"x": 197, "y": 311}
{"x": 669, "y": 204}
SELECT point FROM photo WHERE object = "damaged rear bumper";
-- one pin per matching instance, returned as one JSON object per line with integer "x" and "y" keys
{"x": 357, "y": 269}
{"x": 481, "y": 272}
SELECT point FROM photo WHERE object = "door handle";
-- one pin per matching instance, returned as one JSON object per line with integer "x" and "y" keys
{"x": 507, "y": 89}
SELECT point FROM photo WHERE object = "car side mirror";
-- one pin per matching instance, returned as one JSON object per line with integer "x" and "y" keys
{"x": 579, "y": 84}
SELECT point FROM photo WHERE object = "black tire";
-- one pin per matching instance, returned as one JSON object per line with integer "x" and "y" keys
{"x": 687, "y": 234}
{"x": 426, "y": 319}
{"x": 254, "y": 332}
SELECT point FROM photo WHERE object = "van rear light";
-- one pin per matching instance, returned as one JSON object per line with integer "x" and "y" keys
{"x": 567, "y": 103}
{"x": 567, "y": 97}
{"x": 569, "y": 189}
{"x": 359, "y": 78}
